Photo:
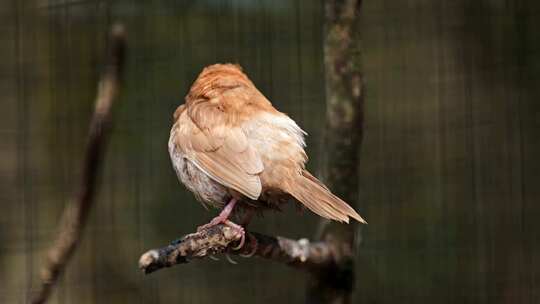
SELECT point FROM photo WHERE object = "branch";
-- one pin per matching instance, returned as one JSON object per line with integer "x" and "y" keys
{"x": 76, "y": 212}
{"x": 222, "y": 239}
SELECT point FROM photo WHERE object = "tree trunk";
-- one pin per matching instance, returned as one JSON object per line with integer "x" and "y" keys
{"x": 344, "y": 98}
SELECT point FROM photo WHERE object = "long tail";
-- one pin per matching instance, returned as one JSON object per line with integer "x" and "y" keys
{"x": 317, "y": 197}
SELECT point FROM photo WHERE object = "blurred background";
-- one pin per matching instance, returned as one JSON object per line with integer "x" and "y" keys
{"x": 450, "y": 180}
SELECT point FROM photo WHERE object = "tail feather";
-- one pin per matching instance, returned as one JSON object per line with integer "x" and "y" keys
{"x": 315, "y": 196}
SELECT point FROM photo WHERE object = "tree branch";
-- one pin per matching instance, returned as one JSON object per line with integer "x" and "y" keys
{"x": 222, "y": 239}
{"x": 76, "y": 212}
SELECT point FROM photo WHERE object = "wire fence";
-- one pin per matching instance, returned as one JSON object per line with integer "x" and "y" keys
{"x": 449, "y": 160}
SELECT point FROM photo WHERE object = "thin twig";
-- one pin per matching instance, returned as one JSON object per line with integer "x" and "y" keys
{"x": 76, "y": 212}
{"x": 222, "y": 239}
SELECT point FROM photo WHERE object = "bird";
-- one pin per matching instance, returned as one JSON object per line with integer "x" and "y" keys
{"x": 236, "y": 152}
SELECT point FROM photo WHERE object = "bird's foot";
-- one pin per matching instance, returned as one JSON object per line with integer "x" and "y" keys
{"x": 223, "y": 220}
{"x": 215, "y": 221}
{"x": 239, "y": 230}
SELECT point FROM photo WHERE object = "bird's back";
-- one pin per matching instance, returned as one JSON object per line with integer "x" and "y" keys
{"x": 232, "y": 133}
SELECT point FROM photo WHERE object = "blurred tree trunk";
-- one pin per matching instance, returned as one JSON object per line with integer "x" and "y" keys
{"x": 344, "y": 98}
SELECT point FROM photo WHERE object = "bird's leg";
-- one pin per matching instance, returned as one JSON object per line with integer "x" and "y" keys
{"x": 223, "y": 218}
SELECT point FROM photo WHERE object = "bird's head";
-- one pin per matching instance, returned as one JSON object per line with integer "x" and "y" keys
{"x": 216, "y": 78}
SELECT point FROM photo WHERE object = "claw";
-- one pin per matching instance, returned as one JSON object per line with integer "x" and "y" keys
{"x": 213, "y": 257}
{"x": 242, "y": 241}
{"x": 230, "y": 259}
{"x": 240, "y": 231}
{"x": 254, "y": 244}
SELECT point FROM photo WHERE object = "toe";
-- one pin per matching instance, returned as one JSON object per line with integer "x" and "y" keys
{"x": 242, "y": 241}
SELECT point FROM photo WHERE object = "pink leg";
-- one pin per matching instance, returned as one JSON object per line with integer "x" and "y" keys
{"x": 223, "y": 218}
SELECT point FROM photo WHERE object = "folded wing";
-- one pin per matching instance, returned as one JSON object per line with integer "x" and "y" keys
{"x": 219, "y": 148}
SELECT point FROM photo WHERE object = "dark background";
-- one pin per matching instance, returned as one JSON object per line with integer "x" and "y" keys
{"x": 450, "y": 177}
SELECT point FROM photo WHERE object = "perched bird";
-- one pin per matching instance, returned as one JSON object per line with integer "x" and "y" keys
{"x": 231, "y": 147}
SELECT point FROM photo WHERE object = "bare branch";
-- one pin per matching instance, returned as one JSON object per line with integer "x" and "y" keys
{"x": 222, "y": 239}
{"x": 76, "y": 212}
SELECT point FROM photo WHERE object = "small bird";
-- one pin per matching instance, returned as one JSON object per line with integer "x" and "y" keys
{"x": 231, "y": 147}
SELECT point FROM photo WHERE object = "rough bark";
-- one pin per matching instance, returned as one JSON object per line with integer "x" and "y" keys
{"x": 222, "y": 239}
{"x": 344, "y": 97}
{"x": 76, "y": 212}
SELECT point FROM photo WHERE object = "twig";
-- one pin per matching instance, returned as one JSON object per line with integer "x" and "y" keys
{"x": 76, "y": 212}
{"x": 222, "y": 239}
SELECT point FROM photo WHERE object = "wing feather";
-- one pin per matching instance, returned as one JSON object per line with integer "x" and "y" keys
{"x": 219, "y": 149}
